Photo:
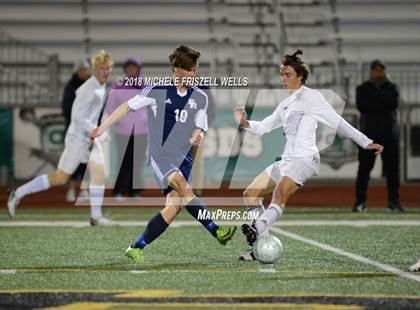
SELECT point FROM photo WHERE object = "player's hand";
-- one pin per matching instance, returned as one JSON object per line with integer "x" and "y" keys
{"x": 375, "y": 147}
{"x": 95, "y": 133}
{"x": 196, "y": 137}
{"x": 240, "y": 116}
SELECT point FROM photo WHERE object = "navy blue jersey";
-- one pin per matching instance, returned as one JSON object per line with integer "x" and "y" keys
{"x": 172, "y": 117}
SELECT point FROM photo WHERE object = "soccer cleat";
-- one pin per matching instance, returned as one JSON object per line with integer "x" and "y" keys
{"x": 102, "y": 221}
{"x": 250, "y": 232}
{"x": 120, "y": 198}
{"x": 359, "y": 207}
{"x": 248, "y": 256}
{"x": 415, "y": 267}
{"x": 135, "y": 254}
{"x": 12, "y": 202}
{"x": 224, "y": 234}
{"x": 395, "y": 207}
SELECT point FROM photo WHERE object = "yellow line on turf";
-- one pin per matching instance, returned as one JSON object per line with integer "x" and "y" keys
{"x": 104, "y": 306}
{"x": 149, "y": 293}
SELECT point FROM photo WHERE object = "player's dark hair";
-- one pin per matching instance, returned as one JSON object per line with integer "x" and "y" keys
{"x": 297, "y": 63}
{"x": 184, "y": 57}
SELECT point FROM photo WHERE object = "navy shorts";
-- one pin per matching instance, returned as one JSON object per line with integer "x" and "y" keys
{"x": 163, "y": 167}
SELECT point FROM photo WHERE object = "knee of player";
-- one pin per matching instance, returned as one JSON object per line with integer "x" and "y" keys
{"x": 58, "y": 178}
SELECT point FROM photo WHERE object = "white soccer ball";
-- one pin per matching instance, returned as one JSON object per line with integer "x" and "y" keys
{"x": 267, "y": 249}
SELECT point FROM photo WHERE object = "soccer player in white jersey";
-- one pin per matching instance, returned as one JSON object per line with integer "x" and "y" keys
{"x": 86, "y": 110}
{"x": 298, "y": 114}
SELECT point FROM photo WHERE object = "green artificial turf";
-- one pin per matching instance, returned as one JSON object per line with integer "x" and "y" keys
{"x": 189, "y": 260}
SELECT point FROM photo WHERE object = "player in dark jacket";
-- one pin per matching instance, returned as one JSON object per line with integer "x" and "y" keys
{"x": 80, "y": 75}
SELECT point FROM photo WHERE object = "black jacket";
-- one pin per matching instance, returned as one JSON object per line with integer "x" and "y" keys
{"x": 68, "y": 97}
{"x": 378, "y": 105}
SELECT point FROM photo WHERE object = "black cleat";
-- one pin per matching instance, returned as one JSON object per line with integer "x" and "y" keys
{"x": 248, "y": 256}
{"x": 395, "y": 207}
{"x": 250, "y": 232}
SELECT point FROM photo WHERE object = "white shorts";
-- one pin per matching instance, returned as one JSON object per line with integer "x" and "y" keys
{"x": 78, "y": 151}
{"x": 298, "y": 169}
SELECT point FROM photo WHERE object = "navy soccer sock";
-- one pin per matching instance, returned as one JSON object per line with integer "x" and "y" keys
{"x": 154, "y": 229}
{"x": 196, "y": 206}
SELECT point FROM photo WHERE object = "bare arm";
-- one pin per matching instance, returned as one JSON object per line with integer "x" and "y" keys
{"x": 196, "y": 137}
{"x": 118, "y": 114}
{"x": 268, "y": 124}
{"x": 137, "y": 102}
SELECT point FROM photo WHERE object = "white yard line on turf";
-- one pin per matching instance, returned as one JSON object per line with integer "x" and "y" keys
{"x": 159, "y": 201}
{"x": 356, "y": 223}
{"x": 341, "y": 252}
{"x": 7, "y": 271}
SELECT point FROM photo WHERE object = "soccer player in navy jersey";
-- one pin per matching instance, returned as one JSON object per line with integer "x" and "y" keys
{"x": 177, "y": 118}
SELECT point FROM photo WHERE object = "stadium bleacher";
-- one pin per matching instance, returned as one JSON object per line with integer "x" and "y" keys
{"x": 240, "y": 37}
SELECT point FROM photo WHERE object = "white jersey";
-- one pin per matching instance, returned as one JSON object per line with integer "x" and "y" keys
{"x": 87, "y": 107}
{"x": 298, "y": 114}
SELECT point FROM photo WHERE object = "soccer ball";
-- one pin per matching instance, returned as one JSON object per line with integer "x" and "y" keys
{"x": 267, "y": 249}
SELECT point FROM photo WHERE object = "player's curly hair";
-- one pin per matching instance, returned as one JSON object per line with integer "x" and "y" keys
{"x": 297, "y": 63}
{"x": 184, "y": 57}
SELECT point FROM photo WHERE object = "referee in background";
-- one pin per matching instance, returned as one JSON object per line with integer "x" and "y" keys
{"x": 377, "y": 101}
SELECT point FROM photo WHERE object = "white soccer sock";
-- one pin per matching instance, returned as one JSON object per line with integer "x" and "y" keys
{"x": 261, "y": 210}
{"x": 40, "y": 183}
{"x": 270, "y": 216}
{"x": 96, "y": 198}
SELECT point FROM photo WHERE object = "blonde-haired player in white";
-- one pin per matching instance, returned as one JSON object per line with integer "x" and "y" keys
{"x": 298, "y": 114}
{"x": 86, "y": 110}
